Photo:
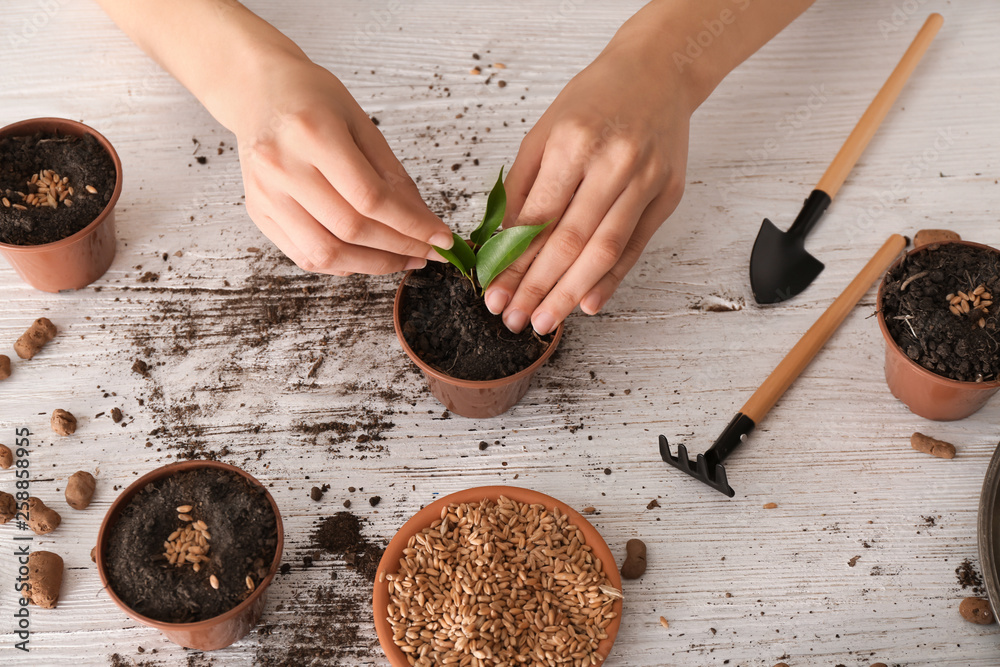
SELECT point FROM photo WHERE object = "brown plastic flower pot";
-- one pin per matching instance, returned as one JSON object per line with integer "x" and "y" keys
{"x": 213, "y": 633}
{"x": 472, "y": 398}
{"x": 924, "y": 392}
{"x": 79, "y": 259}
{"x": 389, "y": 563}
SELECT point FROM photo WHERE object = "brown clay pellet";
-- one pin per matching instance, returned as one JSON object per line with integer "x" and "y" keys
{"x": 977, "y": 610}
{"x": 929, "y": 445}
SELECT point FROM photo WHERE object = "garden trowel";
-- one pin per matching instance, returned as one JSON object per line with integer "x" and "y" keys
{"x": 780, "y": 267}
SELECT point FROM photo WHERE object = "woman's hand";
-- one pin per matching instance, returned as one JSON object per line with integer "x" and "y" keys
{"x": 606, "y": 161}
{"x": 321, "y": 181}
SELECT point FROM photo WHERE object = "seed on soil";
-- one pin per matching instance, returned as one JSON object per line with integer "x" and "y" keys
{"x": 200, "y": 525}
{"x": 185, "y": 509}
{"x": 664, "y": 622}
{"x": 89, "y": 188}
{"x": 976, "y": 610}
{"x": 214, "y": 581}
{"x": 185, "y": 517}
{"x": 250, "y": 584}
{"x": 6, "y": 202}
{"x": 516, "y": 581}
{"x": 929, "y": 445}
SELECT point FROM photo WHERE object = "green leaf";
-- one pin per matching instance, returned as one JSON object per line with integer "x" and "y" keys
{"x": 460, "y": 254}
{"x": 500, "y": 251}
{"x": 496, "y": 206}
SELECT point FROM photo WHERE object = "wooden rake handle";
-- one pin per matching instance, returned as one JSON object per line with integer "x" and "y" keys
{"x": 863, "y": 132}
{"x": 782, "y": 377}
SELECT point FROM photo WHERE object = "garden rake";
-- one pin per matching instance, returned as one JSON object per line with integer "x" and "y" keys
{"x": 708, "y": 467}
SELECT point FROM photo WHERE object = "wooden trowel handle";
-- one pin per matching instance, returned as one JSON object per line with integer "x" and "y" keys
{"x": 799, "y": 357}
{"x": 863, "y": 132}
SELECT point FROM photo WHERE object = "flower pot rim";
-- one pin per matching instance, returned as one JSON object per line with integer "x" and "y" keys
{"x": 469, "y": 384}
{"x": 79, "y": 129}
{"x": 114, "y": 512}
{"x": 426, "y": 515}
{"x": 964, "y": 384}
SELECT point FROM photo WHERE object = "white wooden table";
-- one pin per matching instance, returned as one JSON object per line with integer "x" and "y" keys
{"x": 740, "y": 585}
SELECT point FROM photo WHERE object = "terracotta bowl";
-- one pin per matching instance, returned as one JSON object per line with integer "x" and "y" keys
{"x": 390, "y": 559}
{"x": 212, "y": 633}
{"x": 472, "y": 398}
{"x": 924, "y": 392}
{"x": 79, "y": 259}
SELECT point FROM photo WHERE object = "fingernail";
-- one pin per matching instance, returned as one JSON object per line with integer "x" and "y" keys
{"x": 591, "y": 304}
{"x": 415, "y": 263}
{"x": 515, "y": 320}
{"x": 496, "y": 300}
{"x": 543, "y": 323}
{"x": 442, "y": 240}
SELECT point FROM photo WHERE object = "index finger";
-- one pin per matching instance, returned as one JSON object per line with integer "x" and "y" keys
{"x": 354, "y": 178}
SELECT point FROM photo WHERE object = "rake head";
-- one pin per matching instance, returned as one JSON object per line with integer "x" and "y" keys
{"x": 708, "y": 467}
{"x": 700, "y": 469}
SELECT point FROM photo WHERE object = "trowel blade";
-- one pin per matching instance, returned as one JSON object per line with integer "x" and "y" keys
{"x": 780, "y": 267}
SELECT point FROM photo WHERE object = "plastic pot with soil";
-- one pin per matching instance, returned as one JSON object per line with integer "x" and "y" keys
{"x": 936, "y": 311}
{"x": 473, "y": 364}
{"x": 59, "y": 183}
{"x": 190, "y": 549}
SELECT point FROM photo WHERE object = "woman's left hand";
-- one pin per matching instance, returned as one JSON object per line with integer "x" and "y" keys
{"x": 606, "y": 162}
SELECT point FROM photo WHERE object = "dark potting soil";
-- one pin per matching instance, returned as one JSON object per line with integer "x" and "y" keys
{"x": 244, "y": 536}
{"x": 81, "y": 159}
{"x": 920, "y": 321}
{"x": 447, "y": 324}
{"x": 340, "y": 535}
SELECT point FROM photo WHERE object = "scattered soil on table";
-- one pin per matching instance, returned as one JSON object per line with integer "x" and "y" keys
{"x": 329, "y": 624}
{"x": 969, "y": 577}
{"x": 276, "y": 312}
{"x": 448, "y": 326}
{"x": 81, "y": 159}
{"x": 919, "y": 319}
{"x": 242, "y": 526}
{"x": 340, "y": 535}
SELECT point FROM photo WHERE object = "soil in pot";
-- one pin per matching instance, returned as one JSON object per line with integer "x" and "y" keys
{"x": 920, "y": 318}
{"x": 242, "y": 539}
{"x": 82, "y": 161}
{"x": 446, "y": 323}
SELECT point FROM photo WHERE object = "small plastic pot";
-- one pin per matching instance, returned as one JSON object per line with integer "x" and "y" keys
{"x": 394, "y": 551}
{"x": 472, "y": 398}
{"x": 213, "y": 633}
{"x": 924, "y": 392}
{"x": 79, "y": 259}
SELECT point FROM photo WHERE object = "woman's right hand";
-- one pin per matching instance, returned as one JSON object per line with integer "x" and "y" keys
{"x": 322, "y": 183}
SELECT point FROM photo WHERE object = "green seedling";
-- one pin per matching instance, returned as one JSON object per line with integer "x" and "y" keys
{"x": 488, "y": 252}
